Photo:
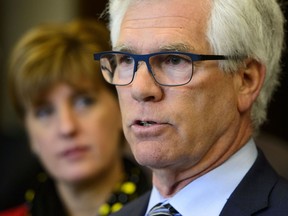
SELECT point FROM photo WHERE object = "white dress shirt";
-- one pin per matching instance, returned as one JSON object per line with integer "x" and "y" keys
{"x": 207, "y": 195}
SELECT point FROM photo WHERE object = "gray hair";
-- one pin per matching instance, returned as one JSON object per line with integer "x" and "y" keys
{"x": 251, "y": 28}
{"x": 117, "y": 10}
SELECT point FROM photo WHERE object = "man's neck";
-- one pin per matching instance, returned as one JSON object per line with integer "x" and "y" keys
{"x": 169, "y": 180}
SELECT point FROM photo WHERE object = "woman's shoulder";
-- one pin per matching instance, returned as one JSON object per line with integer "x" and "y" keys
{"x": 43, "y": 198}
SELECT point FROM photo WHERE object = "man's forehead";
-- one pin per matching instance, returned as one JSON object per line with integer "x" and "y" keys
{"x": 175, "y": 22}
{"x": 151, "y": 10}
{"x": 149, "y": 27}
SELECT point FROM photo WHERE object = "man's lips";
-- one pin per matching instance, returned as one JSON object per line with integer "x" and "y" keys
{"x": 144, "y": 123}
{"x": 148, "y": 128}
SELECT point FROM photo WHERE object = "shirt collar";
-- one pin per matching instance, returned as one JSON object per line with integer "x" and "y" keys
{"x": 211, "y": 191}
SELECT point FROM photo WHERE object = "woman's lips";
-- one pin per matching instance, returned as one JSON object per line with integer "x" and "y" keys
{"x": 74, "y": 153}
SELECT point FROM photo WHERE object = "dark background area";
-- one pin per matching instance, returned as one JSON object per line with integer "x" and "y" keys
{"x": 15, "y": 157}
{"x": 277, "y": 123}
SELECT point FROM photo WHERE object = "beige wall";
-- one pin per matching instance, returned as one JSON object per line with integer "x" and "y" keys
{"x": 16, "y": 17}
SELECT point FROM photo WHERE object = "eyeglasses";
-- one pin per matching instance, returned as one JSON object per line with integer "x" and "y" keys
{"x": 167, "y": 68}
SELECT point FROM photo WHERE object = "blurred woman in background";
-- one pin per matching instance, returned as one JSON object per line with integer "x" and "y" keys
{"x": 73, "y": 122}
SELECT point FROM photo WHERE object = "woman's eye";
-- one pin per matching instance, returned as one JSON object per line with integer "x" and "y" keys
{"x": 84, "y": 101}
{"x": 43, "y": 111}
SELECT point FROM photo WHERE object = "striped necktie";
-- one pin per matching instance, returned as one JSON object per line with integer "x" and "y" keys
{"x": 163, "y": 210}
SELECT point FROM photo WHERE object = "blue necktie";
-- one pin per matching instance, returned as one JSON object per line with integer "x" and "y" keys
{"x": 163, "y": 210}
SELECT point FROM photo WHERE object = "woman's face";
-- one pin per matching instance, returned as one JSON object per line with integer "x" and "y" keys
{"x": 75, "y": 133}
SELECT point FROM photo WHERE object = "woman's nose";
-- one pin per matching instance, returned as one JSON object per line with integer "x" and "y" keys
{"x": 67, "y": 124}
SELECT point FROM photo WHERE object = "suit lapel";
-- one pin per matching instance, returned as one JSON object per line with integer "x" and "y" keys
{"x": 252, "y": 194}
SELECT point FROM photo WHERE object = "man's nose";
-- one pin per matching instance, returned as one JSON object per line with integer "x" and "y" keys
{"x": 144, "y": 86}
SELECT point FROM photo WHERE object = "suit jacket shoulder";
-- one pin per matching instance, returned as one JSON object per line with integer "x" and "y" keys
{"x": 261, "y": 192}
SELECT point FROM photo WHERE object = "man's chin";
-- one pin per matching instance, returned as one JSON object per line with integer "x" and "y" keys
{"x": 150, "y": 161}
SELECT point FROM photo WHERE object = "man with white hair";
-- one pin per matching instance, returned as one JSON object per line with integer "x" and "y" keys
{"x": 194, "y": 78}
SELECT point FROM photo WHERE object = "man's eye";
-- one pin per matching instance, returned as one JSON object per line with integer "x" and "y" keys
{"x": 125, "y": 59}
{"x": 175, "y": 59}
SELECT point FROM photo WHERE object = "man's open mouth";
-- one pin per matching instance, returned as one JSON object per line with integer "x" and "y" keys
{"x": 145, "y": 123}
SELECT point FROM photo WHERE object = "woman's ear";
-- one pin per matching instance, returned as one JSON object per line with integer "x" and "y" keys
{"x": 251, "y": 81}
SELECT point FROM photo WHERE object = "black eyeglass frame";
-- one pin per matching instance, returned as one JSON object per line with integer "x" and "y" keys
{"x": 145, "y": 58}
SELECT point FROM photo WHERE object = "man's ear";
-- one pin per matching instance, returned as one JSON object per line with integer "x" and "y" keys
{"x": 251, "y": 79}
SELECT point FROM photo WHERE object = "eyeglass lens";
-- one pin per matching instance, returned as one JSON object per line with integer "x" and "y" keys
{"x": 167, "y": 69}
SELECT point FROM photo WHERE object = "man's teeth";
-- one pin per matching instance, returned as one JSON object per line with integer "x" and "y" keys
{"x": 146, "y": 123}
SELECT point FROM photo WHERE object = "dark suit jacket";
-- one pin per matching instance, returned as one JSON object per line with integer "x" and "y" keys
{"x": 261, "y": 192}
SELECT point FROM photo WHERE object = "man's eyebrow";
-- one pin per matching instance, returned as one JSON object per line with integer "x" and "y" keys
{"x": 123, "y": 48}
{"x": 180, "y": 47}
